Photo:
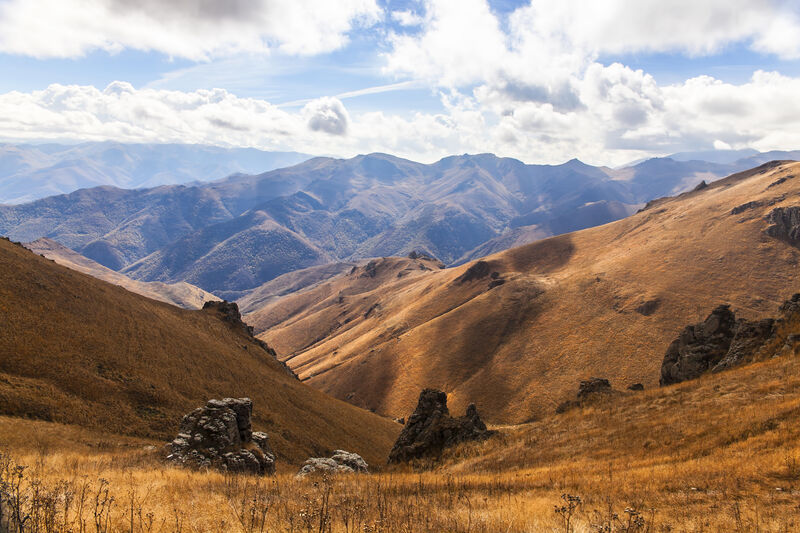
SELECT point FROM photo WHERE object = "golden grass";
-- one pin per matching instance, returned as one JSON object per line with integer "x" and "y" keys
{"x": 567, "y": 310}
{"x": 717, "y": 454}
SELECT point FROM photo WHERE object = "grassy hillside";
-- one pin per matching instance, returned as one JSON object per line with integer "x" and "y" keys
{"x": 599, "y": 302}
{"x": 77, "y": 350}
{"x": 719, "y": 454}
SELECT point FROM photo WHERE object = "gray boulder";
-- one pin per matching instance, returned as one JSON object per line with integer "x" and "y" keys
{"x": 219, "y": 435}
{"x": 785, "y": 224}
{"x": 341, "y": 462}
{"x": 699, "y": 347}
{"x": 747, "y": 339}
{"x": 431, "y": 429}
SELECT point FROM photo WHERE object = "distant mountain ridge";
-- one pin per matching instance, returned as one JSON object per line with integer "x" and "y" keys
{"x": 30, "y": 171}
{"x": 232, "y": 235}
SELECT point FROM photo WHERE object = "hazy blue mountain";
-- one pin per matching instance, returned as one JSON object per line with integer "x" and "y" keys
{"x": 234, "y": 234}
{"x": 29, "y": 172}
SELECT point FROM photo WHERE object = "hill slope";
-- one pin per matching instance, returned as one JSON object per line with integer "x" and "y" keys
{"x": 600, "y": 302}
{"x": 77, "y": 350}
{"x": 181, "y": 294}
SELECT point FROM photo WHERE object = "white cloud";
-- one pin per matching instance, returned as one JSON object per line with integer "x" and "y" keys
{"x": 193, "y": 29}
{"x": 327, "y": 115}
{"x": 623, "y": 115}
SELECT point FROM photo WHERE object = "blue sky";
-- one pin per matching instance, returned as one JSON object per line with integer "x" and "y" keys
{"x": 535, "y": 80}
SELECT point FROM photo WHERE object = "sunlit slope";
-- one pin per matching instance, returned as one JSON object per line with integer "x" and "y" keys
{"x": 77, "y": 350}
{"x": 600, "y": 302}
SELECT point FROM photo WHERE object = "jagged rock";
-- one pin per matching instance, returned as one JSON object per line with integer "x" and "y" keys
{"x": 636, "y": 387}
{"x": 229, "y": 312}
{"x": 785, "y": 224}
{"x": 748, "y": 338}
{"x": 220, "y": 435}
{"x": 341, "y": 462}
{"x": 431, "y": 429}
{"x": 720, "y": 342}
{"x": 744, "y": 207}
{"x": 699, "y": 347}
{"x": 700, "y": 186}
{"x": 593, "y": 386}
{"x": 587, "y": 389}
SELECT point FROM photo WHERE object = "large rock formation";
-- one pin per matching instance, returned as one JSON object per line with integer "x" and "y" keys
{"x": 431, "y": 429}
{"x": 220, "y": 435}
{"x": 699, "y": 347}
{"x": 785, "y": 224}
{"x": 718, "y": 343}
{"x": 341, "y": 462}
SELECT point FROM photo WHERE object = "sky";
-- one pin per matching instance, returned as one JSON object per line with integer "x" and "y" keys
{"x": 607, "y": 82}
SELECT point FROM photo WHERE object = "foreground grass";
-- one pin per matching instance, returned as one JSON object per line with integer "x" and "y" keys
{"x": 718, "y": 454}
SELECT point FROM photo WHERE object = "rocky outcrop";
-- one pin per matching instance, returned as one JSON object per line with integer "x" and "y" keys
{"x": 721, "y": 342}
{"x": 477, "y": 270}
{"x": 229, "y": 312}
{"x": 747, "y": 339}
{"x": 588, "y": 390}
{"x": 431, "y": 429}
{"x": 785, "y": 224}
{"x": 699, "y": 347}
{"x": 341, "y": 462}
{"x": 219, "y": 435}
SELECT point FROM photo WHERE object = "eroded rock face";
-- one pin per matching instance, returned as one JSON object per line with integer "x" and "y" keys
{"x": 699, "y": 347}
{"x": 431, "y": 429}
{"x": 219, "y": 435}
{"x": 748, "y": 338}
{"x": 785, "y": 224}
{"x": 341, "y": 462}
{"x": 716, "y": 344}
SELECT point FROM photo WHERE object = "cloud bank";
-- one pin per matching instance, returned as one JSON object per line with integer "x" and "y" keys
{"x": 530, "y": 84}
{"x": 192, "y": 29}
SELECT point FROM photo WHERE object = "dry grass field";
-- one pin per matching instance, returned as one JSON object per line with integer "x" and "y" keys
{"x": 604, "y": 302}
{"x": 718, "y": 454}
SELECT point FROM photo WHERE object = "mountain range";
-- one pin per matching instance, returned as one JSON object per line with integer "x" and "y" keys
{"x": 515, "y": 332}
{"x": 32, "y": 171}
{"x": 230, "y": 236}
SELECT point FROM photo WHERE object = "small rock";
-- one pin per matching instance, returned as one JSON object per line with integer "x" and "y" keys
{"x": 636, "y": 387}
{"x": 341, "y": 462}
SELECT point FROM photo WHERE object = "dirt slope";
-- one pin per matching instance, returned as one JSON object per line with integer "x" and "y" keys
{"x": 181, "y": 294}
{"x": 599, "y": 302}
{"x": 77, "y": 350}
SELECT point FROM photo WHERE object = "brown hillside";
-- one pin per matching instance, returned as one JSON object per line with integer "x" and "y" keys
{"x": 599, "y": 302}
{"x": 77, "y": 350}
{"x": 181, "y": 294}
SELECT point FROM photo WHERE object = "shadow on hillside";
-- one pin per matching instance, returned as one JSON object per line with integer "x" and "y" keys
{"x": 543, "y": 256}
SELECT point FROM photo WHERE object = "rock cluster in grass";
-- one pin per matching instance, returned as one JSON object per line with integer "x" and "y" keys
{"x": 722, "y": 342}
{"x": 785, "y": 224}
{"x": 431, "y": 429}
{"x": 341, "y": 462}
{"x": 219, "y": 435}
{"x": 588, "y": 390}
